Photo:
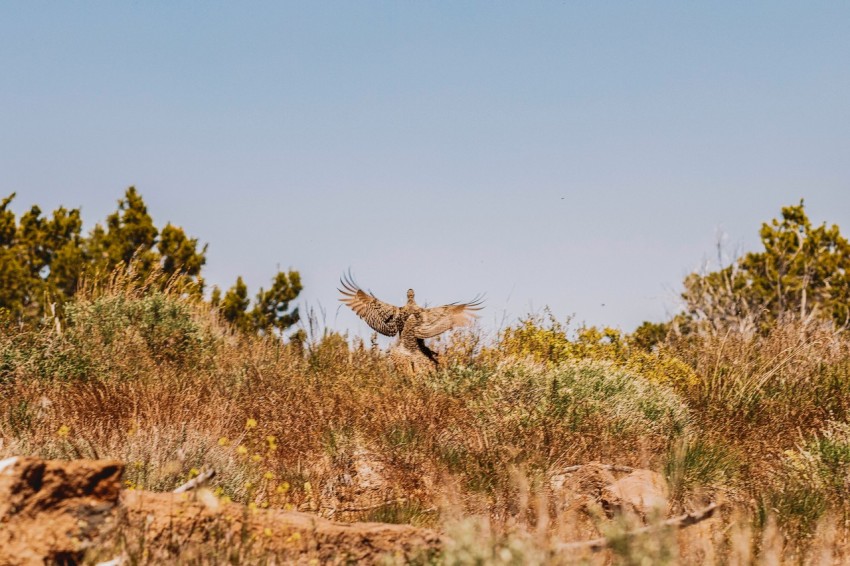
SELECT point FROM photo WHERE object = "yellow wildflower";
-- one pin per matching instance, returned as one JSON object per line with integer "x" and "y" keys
{"x": 251, "y": 423}
{"x": 242, "y": 449}
{"x": 223, "y": 441}
{"x": 63, "y": 431}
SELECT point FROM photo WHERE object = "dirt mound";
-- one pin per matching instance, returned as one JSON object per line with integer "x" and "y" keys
{"x": 199, "y": 523}
{"x": 52, "y": 511}
{"x": 56, "y": 511}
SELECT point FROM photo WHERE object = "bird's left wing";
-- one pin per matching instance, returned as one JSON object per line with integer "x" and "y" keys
{"x": 437, "y": 320}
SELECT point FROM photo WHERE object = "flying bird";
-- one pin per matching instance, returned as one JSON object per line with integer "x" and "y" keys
{"x": 411, "y": 323}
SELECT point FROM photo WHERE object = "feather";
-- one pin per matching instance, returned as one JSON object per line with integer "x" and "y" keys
{"x": 435, "y": 321}
{"x": 382, "y": 317}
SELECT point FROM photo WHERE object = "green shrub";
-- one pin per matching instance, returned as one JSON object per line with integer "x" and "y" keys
{"x": 814, "y": 478}
{"x": 115, "y": 335}
{"x": 531, "y": 415}
{"x": 624, "y": 402}
{"x": 165, "y": 324}
{"x": 695, "y": 463}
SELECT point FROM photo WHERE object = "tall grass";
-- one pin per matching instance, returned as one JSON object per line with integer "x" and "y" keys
{"x": 153, "y": 377}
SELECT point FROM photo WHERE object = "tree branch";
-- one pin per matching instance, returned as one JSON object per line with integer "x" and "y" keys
{"x": 681, "y": 521}
{"x": 608, "y": 467}
{"x": 193, "y": 483}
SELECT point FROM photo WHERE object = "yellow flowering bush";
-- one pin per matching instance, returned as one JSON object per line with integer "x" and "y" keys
{"x": 544, "y": 339}
{"x": 661, "y": 366}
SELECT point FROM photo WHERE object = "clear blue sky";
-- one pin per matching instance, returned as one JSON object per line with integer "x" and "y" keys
{"x": 565, "y": 154}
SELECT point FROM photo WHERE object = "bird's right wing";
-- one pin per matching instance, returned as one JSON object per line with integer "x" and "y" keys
{"x": 383, "y": 317}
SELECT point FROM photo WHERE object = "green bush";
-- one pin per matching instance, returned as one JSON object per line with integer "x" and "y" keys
{"x": 115, "y": 335}
{"x": 695, "y": 463}
{"x": 814, "y": 479}
{"x": 535, "y": 415}
{"x": 164, "y": 322}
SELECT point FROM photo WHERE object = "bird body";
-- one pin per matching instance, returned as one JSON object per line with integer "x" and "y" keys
{"x": 411, "y": 323}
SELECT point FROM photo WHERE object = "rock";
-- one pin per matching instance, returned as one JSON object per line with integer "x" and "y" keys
{"x": 360, "y": 484}
{"x": 577, "y": 494}
{"x": 587, "y": 495}
{"x": 641, "y": 492}
{"x": 52, "y": 511}
{"x": 185, "y": 527}
{"x": 585, "y": 482}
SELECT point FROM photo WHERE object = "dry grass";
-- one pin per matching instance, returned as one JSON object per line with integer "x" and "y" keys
{"x": 153, "y": 378}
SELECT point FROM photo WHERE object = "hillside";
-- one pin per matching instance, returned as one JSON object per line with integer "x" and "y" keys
{"x": 156, "y": 380}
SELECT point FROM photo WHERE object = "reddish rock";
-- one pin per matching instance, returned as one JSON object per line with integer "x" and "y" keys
{"x": 641, "y": 492}
{"x": 52, "y": 511}
{"x": 190, "y": 526}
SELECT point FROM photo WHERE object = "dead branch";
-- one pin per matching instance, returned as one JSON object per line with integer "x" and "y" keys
{"x": 366, "y": 507}
{"x": 193, "y": 483}
{"x": 609, "y": 467}
{"x": 680, "y": 521}
{"x": 400, "y": 500}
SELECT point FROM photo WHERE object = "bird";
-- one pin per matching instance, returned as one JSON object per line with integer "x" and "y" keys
{"x": 411, "y": 323}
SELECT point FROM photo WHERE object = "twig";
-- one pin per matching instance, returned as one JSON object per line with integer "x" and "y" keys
{"x": 8, "y": 463}
{"x": 193, "y": 483}
{"x": 334, "y": 510}
{"x": 609, "y": 467}
{"x": 367, "y": 507}
{"x": 681, "y": 521}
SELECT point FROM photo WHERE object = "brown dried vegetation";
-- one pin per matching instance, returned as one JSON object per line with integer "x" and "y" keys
{"x": 156, "y": 380}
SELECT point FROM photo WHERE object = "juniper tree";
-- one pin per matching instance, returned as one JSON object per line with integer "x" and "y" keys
{"x": 270, "y": 311}
{"x": 130, "y": 237}
{"x": 803, "y": 272}
{"x": 42, "y": 260}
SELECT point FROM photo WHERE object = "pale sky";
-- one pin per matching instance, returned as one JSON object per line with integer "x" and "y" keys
{"x": 583, "y": 156}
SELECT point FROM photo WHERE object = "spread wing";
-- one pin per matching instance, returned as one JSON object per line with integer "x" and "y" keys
{"x": 381, "y": 316}
{"x": 437, "y": 320}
